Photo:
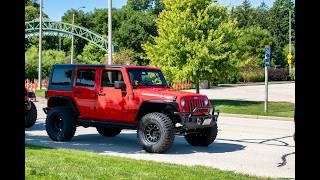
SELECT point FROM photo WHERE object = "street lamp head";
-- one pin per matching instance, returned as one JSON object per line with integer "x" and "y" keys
{"x": 82, "y": 7}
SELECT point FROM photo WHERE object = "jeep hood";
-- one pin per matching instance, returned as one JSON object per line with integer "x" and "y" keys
{"x": 165, "y": 93}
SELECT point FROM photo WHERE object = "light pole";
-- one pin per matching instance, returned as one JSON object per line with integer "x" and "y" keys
{"x": 72, "y": 37}
{"x": 40, "y": 47}
{"x": 110, "y": 32}
{"x": 289, "y": 40}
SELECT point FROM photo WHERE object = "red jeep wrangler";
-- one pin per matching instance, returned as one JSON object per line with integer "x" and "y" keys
{"x": 116, "y": 97}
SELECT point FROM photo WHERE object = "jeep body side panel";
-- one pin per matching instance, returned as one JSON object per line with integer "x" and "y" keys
{"x": 112, "y": 103}
{"x": 83, "y": 93}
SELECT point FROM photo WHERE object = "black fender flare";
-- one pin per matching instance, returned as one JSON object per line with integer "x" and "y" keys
{"x": 157, "y": 106}
{"x": 56, "y": 101}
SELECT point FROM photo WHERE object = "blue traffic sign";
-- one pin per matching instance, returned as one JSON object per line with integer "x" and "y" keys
{"x": 267, "y": 56}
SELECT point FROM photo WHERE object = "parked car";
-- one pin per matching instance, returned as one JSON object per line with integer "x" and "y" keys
{"x": 116, "y": 97}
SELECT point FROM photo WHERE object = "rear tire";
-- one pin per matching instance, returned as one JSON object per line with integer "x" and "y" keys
{"x": 108, "y": 132}
{"x": 204, "y": 138}
{"x": 30, "y": 116}
{"x": 155, "y": 132}
{"x": 60, "y": 124}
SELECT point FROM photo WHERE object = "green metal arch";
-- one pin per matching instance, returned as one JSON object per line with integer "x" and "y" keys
{"x": 54, "y": 28}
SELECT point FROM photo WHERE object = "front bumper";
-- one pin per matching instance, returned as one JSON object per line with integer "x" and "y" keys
{"x": 190, "y": 121}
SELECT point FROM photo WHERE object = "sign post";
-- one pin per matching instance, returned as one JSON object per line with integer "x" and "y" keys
{"x": 267, "y": 65}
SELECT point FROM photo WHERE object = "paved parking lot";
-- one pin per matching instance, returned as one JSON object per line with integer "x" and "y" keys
{"x": 252, "y": 146}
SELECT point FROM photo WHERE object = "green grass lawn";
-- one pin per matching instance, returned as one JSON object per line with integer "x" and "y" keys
{"x": 49, "y": 163}
{"x": 281, "y": 109}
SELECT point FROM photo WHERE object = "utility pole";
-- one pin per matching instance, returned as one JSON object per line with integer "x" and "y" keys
{"x": 40, "y": 47}
{"x": 290, "y": 41}
{"x": 72, "y": 37}
{"x": 110, "y": 32}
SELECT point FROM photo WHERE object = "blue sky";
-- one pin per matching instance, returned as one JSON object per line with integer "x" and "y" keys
{"x": 56, "y": 8}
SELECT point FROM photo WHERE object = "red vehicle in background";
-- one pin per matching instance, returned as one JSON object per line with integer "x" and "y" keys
{"x": 30, "y": 111}
{"x": 116, "y": 97}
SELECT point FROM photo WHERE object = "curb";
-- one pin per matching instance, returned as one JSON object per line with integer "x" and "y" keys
{"x": 258, "y": 117}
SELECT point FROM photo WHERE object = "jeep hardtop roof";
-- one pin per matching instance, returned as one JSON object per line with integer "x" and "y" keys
{"x": 100, "y": 65}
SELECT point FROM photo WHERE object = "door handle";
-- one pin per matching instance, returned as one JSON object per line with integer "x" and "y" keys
{"x": 77, "y": 92}
{"x": 101, "y": 93}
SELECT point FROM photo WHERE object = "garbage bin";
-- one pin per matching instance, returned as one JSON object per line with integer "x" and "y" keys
{"x": 204, "y": 84}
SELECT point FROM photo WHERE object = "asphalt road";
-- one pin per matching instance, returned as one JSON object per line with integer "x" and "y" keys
{"x": 284, "y": 92}
{"x": 252, "y": 146}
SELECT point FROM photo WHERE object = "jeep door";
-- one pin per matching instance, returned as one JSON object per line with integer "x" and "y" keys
{"x": 84, "y": 91}
{"x": 111, "y": 103}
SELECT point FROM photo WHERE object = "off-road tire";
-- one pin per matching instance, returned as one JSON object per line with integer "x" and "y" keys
{"x": 108, "y": 131}
{"x": 164, "y": 131}
{"x": 30, "y": 116}
{"x": 204, "y": 137}
{"x": 64, "y": 130}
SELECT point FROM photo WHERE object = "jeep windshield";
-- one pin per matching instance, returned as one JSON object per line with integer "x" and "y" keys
{"x": 146, "y": 77}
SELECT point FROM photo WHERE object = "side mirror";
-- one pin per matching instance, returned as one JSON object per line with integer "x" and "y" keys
{"x": 120, "y": 85}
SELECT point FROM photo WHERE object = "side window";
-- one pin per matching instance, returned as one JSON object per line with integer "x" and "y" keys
{"x": 109, "y": 77}
{"x": 61, "y": 77}
{"x": 86, "y": 77}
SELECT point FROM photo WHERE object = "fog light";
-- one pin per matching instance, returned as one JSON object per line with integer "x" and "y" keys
{"x": 178, "y": 125}
{"x": 198, "y": 121}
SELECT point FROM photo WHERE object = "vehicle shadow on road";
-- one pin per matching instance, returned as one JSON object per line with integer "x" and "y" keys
{"x": 125, "y": 142}
{"x": 37, "y": 126}
{"x": 278, "y": 141}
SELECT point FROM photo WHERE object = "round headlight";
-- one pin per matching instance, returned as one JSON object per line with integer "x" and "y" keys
{"x": 206, "y": 102}
{"x": 183, "y": 102}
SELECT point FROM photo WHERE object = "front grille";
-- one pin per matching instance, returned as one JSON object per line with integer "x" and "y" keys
{"x": 192, "y": 103}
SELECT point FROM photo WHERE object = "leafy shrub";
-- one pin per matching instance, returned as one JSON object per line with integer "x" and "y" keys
{"x": 281, "y": 74}
{"x": 251, "y": 75}
{"x": 257, "y": 75}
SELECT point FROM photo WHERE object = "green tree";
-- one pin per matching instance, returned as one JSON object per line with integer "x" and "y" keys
{"x": 31, "y": 13}
{"x": 243, "y": 14}
{"x": 195, "y": 41}
{"x": 139, "y": 5}
{"x": 279, "y": 28}
{"x": 260, "y": 16}
{"x": 126, "y": 56}
{"x": 80, "y": 19}
{"x": 91, "y": 54}
{"x": 251, "y": 44}
{"x": 49, "y": 57}
{"x": 158, "y": 7}
{"x": 136, "y": 29}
